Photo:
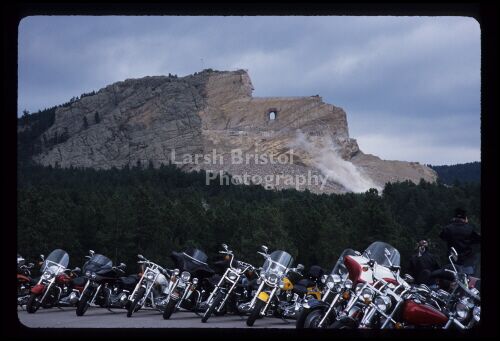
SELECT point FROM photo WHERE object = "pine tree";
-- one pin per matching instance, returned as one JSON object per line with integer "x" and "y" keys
{"x": 96, "y": 117}
{"x": 85, "y": 123}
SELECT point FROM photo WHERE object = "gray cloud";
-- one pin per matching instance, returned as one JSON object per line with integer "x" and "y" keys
{"x": 409, "y": 79}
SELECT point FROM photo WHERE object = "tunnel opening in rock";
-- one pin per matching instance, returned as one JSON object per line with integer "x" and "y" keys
{"x": 272, "y": 115}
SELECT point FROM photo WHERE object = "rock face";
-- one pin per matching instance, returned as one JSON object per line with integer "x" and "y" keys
{"x": 212, "y": 112}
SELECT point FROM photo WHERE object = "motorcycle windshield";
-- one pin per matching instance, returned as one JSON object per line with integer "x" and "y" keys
{"x": 339, "y": 268}
{"x": 98, "y": 263}
{"x": 56, "y": 261}
{"x": 278, "y": 262}
{"x": 20, "y": 260}
{"x": 378, "y": 250}
{"x": 196, "y": 255}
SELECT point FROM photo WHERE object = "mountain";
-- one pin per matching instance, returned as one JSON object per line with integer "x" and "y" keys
{"x": 464, "y": 172}
{"x": 211, "y": 121}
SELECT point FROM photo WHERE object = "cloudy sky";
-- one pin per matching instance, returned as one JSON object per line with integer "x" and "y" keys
{"x": 410, "y": 85}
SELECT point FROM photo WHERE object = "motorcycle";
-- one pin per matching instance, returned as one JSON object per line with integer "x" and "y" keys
{"x": 24, "y": 280}
{"x": 55, "y": 287}
{"x": 464, "y": 301}
{"x": 274, "y": 294}
{"x": 320, "y": 313}
{"x": 187, "y": 280}
{"x": 230, "y": 287}
{"x": 371, "y": 273}
{"x": 151, "y": 289}
{"x": 100, "y": 275}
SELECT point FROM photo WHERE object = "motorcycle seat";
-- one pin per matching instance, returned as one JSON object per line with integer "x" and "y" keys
{"x": 128, "y": 280}
{"x": 79, "y": 281}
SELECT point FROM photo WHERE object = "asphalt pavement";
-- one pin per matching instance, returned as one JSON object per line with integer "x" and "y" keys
{"x": 145, "y": 318}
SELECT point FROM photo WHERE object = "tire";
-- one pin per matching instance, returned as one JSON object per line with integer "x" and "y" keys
{"x": 255, "y": 314}
{"x": 344, "y": 323}
{"x": 83, "y": 303}
{"x": 133, "y": 307}
{"x": 211, "y": 309}
{"x": 33, "y": 304}
{"x": 169, "y": 309}
{"x": 105, "y": 303}
{"x": 312, "y": 319}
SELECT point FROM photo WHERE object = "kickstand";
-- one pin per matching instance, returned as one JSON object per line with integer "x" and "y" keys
{"x": 109, "y": 309}
{"x": 59, "y": 307}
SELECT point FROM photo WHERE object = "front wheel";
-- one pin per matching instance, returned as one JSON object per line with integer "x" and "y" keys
{"x": 312, "y": 319}
{"x": 255, "y": 314}
{"x": 133, "y": 307}
{"x": 344, "y": 323}
{"x": 83, "y": 303}
{"x": 33, "y": 303}
{"x": 211, "y": 309}
{"x": 169, "y": 308}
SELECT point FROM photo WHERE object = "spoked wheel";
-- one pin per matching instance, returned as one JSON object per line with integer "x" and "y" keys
{"x": 212, "y": 308}
{"x": 33, "y": 303}
{"x": 134, "y": 306}
{"x": 255, "y": 314}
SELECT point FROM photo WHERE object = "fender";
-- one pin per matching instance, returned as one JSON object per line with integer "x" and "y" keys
{"x": 314, "y": 303}
{"x": 38, "y": 289}
{"x": 22, "y": 278}
{"x": 263, "y": 296}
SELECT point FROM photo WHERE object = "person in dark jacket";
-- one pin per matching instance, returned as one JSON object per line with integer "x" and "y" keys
{"x": 461, "y": 235}
{"x": 423, "y": 263}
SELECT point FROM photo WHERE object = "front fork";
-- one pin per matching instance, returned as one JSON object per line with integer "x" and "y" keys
{"x": 327, "y": 313}
{"x": 271, "y": 295}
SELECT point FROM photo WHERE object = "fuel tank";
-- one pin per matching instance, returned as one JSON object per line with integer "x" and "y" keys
{"x": 420, "y": 314}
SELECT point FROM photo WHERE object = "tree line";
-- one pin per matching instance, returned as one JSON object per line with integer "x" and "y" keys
{"x": 123, "y": 212}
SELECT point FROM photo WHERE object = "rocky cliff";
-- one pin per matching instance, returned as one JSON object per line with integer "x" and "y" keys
{"x": 163, "y": 119}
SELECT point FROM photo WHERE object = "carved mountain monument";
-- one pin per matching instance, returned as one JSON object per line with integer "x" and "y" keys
{"x": 144, "y": 120}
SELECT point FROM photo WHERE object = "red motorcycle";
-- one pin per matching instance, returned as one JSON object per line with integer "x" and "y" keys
{"x": 24, "y": 280}
{"x": 55, "y": 286}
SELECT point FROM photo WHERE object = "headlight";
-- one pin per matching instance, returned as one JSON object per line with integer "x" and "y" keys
{"x": 462, "y": 310}
{"x": 93, "y": 275}
{"x": 88, "y": 273}
{"x": 47, "y": 274}
{"x": 282, "y": 284}
{"x": 336, "y": 279}
{"x": 195, "y": 281}
{"x": 176, "y": 272}
{"x": 185, "y": 276}
{"x": 323, "y": 279}
{"x": 262, "y": 275}
{"x": 358, "y": 287}
{"x": 329, "y": 282}
{"x": 273, "y": 279}
{"x": 476, "y": 313}
{"x": 348, "y": 284}
{"x": 367, "y": 295}
{"x": 383, "y": 303}
{"x": 232, "y": 276}
{"x": 150, "y": 276}
{"x": 259, "y": 280}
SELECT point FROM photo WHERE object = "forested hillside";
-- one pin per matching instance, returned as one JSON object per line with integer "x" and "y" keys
{"x": 464, "y": 172}
{"x": 124, "y": 212}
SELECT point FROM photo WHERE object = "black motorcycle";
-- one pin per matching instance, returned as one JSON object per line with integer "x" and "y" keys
{"x": 100, "y": 275}
{"x": 187, "y": 282}
{"x": 231, "y": 289}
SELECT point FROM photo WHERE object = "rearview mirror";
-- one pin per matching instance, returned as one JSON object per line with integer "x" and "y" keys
{"x": 408, "y": 278}
{"x": 224, "y": 246}
{"x": 264, "y": 248}
{"x": 140, "y": 256}
{"x": 300, "y": 267}
{"x": 42, "y": 257}
{"x": 454, "y": 254}
{"x": 91, "y": 252}
{"x": 77, "y": 269}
